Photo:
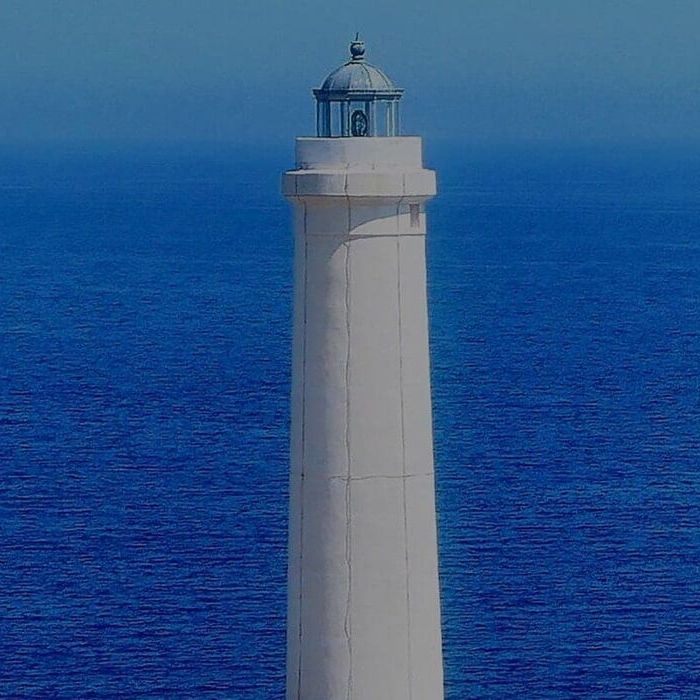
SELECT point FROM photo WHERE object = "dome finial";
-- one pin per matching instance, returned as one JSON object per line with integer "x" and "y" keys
{"x": 357, "y": 48}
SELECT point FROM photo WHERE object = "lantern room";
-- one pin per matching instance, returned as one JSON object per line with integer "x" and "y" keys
{"x": 357, "y": 99}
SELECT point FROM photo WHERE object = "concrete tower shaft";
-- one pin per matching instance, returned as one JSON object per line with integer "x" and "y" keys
{"x": 364, "y": 611}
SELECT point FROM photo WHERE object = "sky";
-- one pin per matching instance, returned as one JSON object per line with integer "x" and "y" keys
{"x": 241, "y": 71}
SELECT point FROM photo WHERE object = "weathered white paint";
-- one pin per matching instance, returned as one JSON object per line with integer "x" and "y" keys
{"x": 364, "y": 610}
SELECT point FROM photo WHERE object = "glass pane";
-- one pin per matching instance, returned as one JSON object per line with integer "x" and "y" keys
{"x": 336, "y": 128}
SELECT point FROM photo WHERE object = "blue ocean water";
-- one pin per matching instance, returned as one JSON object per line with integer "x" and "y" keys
{"x": 144, "y": 378}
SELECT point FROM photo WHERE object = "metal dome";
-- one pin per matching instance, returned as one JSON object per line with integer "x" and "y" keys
{"x": 358, "y": 76}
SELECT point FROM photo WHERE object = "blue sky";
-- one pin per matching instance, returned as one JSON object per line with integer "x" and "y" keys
{"x": 487, "y": 71}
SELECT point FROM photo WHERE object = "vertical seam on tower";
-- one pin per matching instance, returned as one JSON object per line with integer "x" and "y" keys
{"x": 403, "y": 444}
{"x": 303, "y": 455}
{"x": 348, "y": 484}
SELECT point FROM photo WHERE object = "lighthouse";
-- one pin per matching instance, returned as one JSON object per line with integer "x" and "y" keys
{"x": 364, "y": 607}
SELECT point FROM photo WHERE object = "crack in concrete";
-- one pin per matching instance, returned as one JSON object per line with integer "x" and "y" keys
{"x": 403, "y": 447}
{"x": 342, "y": 477}
{"x": 303, "y": 455}
{"x": 359, "y": 236}
{"x": 347, "y": 626}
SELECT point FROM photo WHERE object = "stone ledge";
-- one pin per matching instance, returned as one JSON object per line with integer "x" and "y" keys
{"x": 301, "y": 183}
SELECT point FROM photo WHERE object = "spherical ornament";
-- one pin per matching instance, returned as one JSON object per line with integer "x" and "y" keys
{"x": 357, "y": 50}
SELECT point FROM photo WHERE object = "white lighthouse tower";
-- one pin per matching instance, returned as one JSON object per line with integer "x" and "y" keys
{"x": 364, "y": 607}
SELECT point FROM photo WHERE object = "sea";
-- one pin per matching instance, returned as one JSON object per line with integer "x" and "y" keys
{"x": 145, "y": 330}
